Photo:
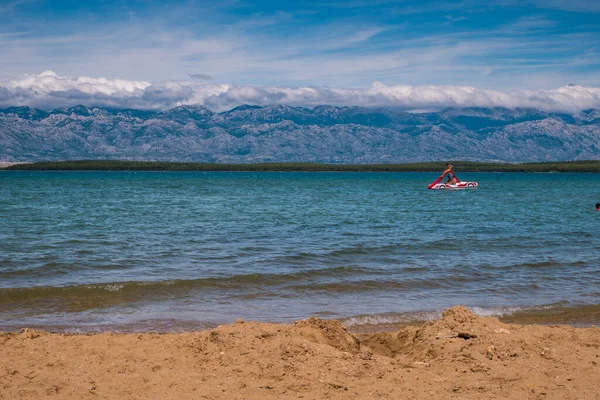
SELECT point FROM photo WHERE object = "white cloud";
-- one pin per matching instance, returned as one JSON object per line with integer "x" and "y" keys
{"x": 341, "y": 41}
{"x": 49, "y": 90}
{"x": 450, "y": 18}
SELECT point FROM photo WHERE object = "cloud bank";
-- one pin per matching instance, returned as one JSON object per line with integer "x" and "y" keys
{"x": 48, "y": 90}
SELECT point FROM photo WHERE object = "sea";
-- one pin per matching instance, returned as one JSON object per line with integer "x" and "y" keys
{"x": 91, "y": 251}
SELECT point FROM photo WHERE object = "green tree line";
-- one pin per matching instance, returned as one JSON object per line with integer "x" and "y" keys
{"x": 462, "y": 166}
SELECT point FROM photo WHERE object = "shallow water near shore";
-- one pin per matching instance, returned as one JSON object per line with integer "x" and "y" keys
{"x": 170, "y": 251}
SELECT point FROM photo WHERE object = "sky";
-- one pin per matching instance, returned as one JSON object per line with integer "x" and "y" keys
{"x": 408, "y": 54}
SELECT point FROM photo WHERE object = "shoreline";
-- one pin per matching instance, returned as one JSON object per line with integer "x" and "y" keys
{"x": 581, "y": 316}
{"x": 461, "y": 355}
{"x": 589, "y": 166}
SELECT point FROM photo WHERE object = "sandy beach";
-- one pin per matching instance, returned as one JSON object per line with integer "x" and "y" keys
{"x": 6, "y": 164}
{"x": 460, "y": 356}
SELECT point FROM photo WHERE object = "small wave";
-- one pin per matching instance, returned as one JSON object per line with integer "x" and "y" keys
{"x": 561, "y": 312}
{"x": 495, "y": 311}
{"x": 379, "y": 320}
{"x": 139, "y": 288}
{"x": 415, "y": 317}
{"x": 142, "y": 326}
{"x": 543, "y": 264}
{"x": 56, "y": 268}
{"x": 557, "y": 313}
{"x": 370, "y": 285}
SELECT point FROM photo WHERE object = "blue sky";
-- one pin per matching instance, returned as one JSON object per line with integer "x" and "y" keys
{"x": 497, "y": 45}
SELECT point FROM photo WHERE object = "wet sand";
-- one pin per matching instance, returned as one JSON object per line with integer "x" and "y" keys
{"x": 460, "y": 356}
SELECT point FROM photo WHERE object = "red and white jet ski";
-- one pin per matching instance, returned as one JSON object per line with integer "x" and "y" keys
{"x": 438, "y": 184}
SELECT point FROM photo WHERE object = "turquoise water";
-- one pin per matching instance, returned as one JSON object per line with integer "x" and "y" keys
{"x": 88, "y": 251}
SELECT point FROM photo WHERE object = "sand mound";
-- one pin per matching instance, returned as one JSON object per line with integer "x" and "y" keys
{"x": 458, "y": 316}
{"x": 423, "y": 343}
{"x": 328, "y": 332}
{"x": 461, "y": 356}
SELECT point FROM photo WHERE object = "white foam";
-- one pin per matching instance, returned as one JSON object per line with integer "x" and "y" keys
{"x": 384, "y": 319}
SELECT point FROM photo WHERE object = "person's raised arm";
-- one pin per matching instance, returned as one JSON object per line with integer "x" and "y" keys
{"x": 448, "y": 169}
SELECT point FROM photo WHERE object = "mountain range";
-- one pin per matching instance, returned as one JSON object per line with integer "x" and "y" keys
{"x": 282, "y": 133}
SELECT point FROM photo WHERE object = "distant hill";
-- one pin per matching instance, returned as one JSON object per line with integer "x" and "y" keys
{"x": 324, "y": 134}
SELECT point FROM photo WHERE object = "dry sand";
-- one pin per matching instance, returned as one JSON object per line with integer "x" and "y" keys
{"x": 461, "y": 356}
